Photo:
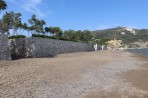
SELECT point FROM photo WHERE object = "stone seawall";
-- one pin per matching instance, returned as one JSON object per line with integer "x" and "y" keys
{"x": 18, "y": 48}
{"x": 42, "y": 47}
{"x": 4, "y": 48}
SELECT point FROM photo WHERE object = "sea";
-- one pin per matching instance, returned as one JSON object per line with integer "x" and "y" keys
{"x": 142, "y": 52}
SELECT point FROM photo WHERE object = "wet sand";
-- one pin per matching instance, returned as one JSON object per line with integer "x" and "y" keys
{"x": 138, "y": 78}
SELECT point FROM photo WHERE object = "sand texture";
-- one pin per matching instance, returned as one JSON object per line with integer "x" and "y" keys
{"x": 102, "y": 74}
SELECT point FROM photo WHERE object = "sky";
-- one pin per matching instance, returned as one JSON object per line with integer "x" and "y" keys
{"x": 84, "y": 14}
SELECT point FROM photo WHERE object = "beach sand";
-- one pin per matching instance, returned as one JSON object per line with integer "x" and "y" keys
{"x": 138, "y": 78}
{"x": 102, "y": 74}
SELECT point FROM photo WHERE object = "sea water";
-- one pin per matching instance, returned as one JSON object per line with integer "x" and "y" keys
{"x": 143, "y": 52}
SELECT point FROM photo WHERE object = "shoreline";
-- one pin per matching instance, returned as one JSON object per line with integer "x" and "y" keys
{"x": 139, "y": 52}
{"x": 138, "y": 77}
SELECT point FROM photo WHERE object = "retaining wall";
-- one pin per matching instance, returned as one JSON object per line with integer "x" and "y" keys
{"x": 4, "y": 48}
{"x": 42, "y": 47}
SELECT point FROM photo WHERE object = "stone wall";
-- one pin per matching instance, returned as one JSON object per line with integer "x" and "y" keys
{"x": 42, "y": 47}
{"x": 18, "y": 48}
{"x": 4, "y": 48}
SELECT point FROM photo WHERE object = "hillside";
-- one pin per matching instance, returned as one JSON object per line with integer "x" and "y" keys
{"x": 127, "y": 35}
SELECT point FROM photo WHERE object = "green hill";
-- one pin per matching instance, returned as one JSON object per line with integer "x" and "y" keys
{"x": 127, "y": 35}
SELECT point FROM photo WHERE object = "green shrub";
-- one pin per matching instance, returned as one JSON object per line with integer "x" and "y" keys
{"x": 52, "y": 37}
{"x": 18, "y": 36}
{"x": 101, "y": 41}
{"x": 43, "y": 36}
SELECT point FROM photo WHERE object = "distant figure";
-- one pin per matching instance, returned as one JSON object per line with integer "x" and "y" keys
{"x": 102, "y": 47}
{"x": 96, "y": 47}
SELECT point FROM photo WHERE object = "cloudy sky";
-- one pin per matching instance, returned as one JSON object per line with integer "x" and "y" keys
{"x": 84, "y": 14}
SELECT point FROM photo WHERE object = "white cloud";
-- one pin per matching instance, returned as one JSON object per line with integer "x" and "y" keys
{"x": 31, "y": 6}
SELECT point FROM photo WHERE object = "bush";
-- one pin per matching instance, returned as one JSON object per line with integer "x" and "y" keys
{"x": 101, "y": 41}
{"x": 16, "y": 37}
{"x": 43, "y": 36}
{"x": 52, "y": 37}
{"x": 36, "y": 35}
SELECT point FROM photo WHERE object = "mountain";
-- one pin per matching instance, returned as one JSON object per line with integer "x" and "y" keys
{"x": 127, "y": 35}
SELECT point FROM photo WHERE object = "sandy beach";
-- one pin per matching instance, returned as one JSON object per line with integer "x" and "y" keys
{"x": 102, "y": 74}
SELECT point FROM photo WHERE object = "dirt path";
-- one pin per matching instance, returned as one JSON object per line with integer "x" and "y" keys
{"x": 77, "y": 75}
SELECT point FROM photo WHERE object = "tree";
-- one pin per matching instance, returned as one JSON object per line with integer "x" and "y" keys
{"x": 37, "y": 26}
{"x": 3, "y": 5}
{"x": 47, "y": 30}
{"x": 4, "y": 28}
{"x": 25, "y": 27}
{"x": 17, "y": 24}
{"x": 79, "y": 35}
{"x": 56, "y": 31}
{"x": 82, "y": 36}
{"x": 10, "y": 20}
{"x": 86, "y": 36}
{"x": 69, "y": 34}
{"x": 6, "y": 23}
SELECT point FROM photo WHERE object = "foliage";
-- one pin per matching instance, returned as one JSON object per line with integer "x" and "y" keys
{"x": 3, "y": 5}
{"x": 86, "y": 36}
{"x": 18, "y": 36}
{"x": 10, "y": 20}
{"x": 101, "y": 41}
{"x": 52, "y": 37}
{"x": 82, "y": 36}
{"x": 133, "y": 46}
{"x": 25, "y": 26}
{"x": 43, "y": 36}
{"x": 4, "y": 27}
{"x": 115, "y": 33}
{"x": 37, "y": 26}
{"x": 69, "y": 34}
{"x": 115, "y": 43}
{"x": 56, "y": 31}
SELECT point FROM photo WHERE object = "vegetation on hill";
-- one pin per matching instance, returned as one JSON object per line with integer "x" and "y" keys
{"x": 120, "y": 33}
